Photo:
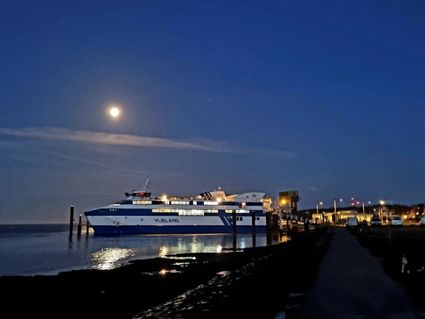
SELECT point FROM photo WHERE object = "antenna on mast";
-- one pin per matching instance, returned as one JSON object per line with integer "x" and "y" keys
{"x": 146, "y": 183}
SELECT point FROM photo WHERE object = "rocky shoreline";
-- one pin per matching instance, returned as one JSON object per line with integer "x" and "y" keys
{"x": 181, "y": 286}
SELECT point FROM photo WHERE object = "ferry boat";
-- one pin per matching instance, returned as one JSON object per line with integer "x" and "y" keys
{"x": 210, "y": 212}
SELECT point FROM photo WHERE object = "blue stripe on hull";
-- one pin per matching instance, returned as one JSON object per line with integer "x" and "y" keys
{"x": 123, "y": 230}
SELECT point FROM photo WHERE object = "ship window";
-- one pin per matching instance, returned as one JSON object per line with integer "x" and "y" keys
{"x": 179, "y": 202}
{"x": 123, "y": 202}
{"x": 142, "y": 202}
{"x": 254, "y": 204}
{"x": 229, "y": 211}
{"x": 191, "y": 212}
{"x": 210, "y": 203}
{"x": 184, "y": 211}
{"x": 242, "y": 211}
{"x": 194, "y": 202}
{"x": 162, "y": 210}
{"x": 257, "y": 218}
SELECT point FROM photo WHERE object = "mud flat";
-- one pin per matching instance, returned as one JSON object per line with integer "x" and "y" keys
{"x": 180, "y": 286}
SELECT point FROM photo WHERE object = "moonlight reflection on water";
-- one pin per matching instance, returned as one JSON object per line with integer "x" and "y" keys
{"x": 109, "y": 258}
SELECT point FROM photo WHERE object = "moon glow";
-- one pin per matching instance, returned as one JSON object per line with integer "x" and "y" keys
{"x": 114, "y": 112}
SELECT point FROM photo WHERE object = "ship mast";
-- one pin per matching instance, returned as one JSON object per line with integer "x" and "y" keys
{"x": 146, "y": 183}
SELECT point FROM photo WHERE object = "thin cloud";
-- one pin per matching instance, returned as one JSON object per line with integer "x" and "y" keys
{"x": 313, "y": 188}
{"x": 124, "y": 171}
{"x": 82, "y": 136}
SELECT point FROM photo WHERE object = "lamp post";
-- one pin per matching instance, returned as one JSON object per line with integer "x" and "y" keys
{"x": 317, "y": 210}
{"x": 381, "y": 209}
{"x": 282, "y": 204}
{"x": 317, "y": 213}
{"x": 368, "y": 206}
{"x": 335, "y": 217}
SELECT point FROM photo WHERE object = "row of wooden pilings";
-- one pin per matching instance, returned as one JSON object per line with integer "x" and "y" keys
{"x": 79, "y": 225}
{"x": 272, "y": 228}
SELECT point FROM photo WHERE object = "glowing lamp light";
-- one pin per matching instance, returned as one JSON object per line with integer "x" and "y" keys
{"x": 219, "y": 249}
{"x": 163, "y": 272}
{"x": 164, "y": 198}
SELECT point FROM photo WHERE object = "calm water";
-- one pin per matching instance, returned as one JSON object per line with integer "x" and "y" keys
{"x": 45, "y": 249}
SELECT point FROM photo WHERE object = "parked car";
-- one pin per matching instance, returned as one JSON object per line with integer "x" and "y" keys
{"x": 395, "y": 221}
{"x": 352, "y": 222}
{"x": 375, "y": 221}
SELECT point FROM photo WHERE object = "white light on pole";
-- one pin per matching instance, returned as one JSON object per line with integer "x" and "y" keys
{"x": 335, "y": 217}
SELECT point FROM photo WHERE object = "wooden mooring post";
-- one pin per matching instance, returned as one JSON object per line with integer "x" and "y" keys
{"x": 253, "y": 229}
{"x": 87, "y": 227}
{"x": 71, "y": 221}
{"x": 234, "y": 230}
{"x": 269, "y": 228}
{"x": 79, "y": 226}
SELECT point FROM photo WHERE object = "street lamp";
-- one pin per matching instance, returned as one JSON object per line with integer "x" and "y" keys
{"x": 317, "y": 210}
{"x": 282, "y": 204}
{"x": 335, "y": 216}
{"x": 381, "y": 209}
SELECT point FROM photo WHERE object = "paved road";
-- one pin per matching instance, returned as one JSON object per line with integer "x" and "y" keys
{"x": 351, "y": 284}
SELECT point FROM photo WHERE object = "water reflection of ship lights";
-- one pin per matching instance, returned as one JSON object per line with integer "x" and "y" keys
{"x": 163, "y": 251}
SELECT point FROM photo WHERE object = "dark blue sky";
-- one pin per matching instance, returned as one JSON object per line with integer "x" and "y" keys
{"x": 326, "y": 97}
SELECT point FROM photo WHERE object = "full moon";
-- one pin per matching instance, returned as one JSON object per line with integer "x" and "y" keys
{"x": 114, "y": 112}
